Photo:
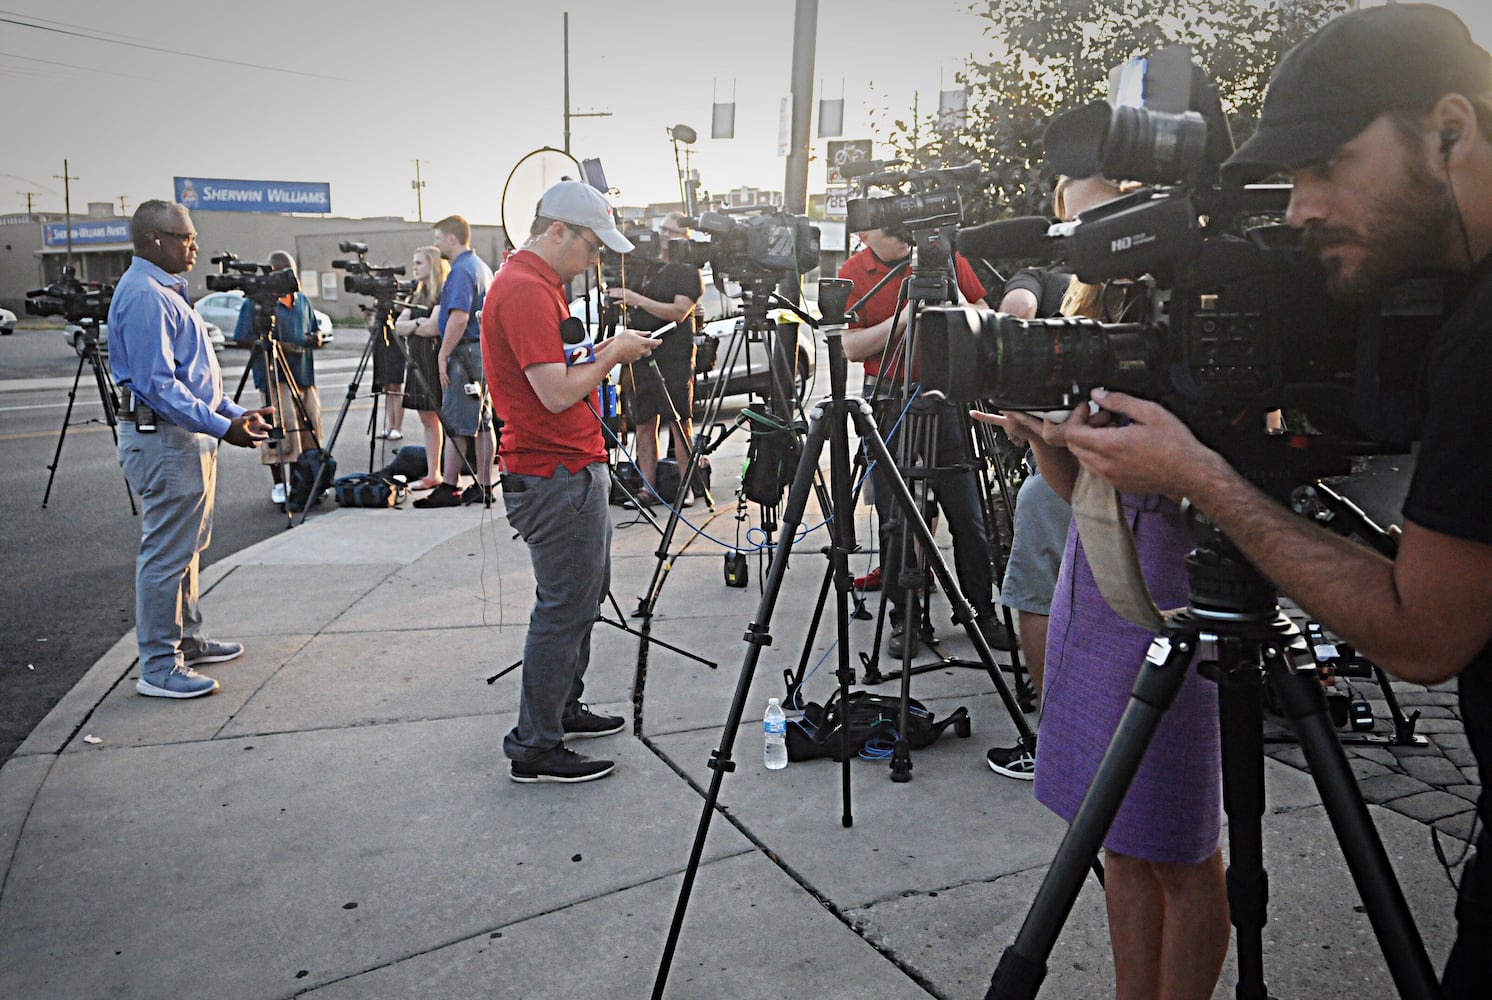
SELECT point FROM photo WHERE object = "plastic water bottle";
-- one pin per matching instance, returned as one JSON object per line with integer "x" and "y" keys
{"x": 774, "y": 726}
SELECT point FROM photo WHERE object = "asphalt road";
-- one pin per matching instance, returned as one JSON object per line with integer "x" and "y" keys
{"x": 67, "y": 589}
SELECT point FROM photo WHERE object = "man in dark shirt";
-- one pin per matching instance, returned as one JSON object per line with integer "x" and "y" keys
{"x": 1392, "y": 175}
{"x": 670, "y": 294}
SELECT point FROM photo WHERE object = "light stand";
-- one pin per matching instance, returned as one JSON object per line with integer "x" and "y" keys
{"x": 687, "y": 184}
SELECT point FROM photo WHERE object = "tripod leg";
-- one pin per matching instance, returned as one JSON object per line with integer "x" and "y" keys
{"x": 757, "y": 636}
{"x": 866, "y": 428}
{"x": 1240, "y": 715}
{"x": 1023, "y": 965}
{"x": 62, "y": 435}
{"x": 1298, "y": 686}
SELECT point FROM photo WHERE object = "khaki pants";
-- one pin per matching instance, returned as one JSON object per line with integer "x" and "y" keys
{"x": 297, "y": 437}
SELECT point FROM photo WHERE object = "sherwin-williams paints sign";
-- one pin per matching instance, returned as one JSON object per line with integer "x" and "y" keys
{"x": 214, "y": 194}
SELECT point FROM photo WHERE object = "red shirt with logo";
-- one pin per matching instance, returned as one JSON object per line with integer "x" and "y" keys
{"x": 520, "y": 328}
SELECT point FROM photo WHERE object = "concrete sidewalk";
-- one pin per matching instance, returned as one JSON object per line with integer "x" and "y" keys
{"x": 338, "y": 821}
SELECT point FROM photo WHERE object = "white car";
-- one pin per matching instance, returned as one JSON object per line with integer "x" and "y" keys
{"x": 222, "y": 308}
{"x": 73, "y": 334}
{"x": 7, "y": 322}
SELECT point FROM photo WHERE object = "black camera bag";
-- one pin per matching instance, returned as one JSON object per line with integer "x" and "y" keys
{"x": 872, "y": 719}
{"x": 369, "y": 489}
{"x": 771, "y": 462}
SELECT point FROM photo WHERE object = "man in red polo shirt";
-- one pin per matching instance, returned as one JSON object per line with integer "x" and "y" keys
{"x": 554, "y": 480}
{"x": 877, "y": 338}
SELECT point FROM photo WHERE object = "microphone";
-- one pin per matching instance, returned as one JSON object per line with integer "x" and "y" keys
{"x": 580, "y": 349}
{"x": 1008, "y": 239}
{"x": 859, "y": 168}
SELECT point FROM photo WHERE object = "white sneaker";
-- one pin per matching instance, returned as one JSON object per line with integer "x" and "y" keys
{"x": 277, "y": 495}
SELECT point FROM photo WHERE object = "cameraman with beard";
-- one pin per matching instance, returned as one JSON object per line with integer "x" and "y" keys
{"x": 1383, "y": 119}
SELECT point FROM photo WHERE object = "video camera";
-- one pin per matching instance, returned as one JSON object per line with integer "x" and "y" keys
{"x": 932, "y": 198}
{"x": 1230, "y": 321}
{"x": 82, "y": 302}
{"x": 380, "y": 281}
{"x": 254, "y": 280}
{"x": 764, "y": 246}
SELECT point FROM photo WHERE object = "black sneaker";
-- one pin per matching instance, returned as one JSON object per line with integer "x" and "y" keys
{"x": 560, "y": 765}
{"x": 1013, "y": 762}
{"x": 477, "y": 493}
{"x": 585, "y": 724}
{"x": 444, "y": 495}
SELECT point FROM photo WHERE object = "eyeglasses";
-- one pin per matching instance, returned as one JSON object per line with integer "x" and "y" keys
{"x": 595, "y": 247}
{"x": 187, "y": 239}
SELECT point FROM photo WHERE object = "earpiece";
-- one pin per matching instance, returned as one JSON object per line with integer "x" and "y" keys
{"x": 157, "y": 242}
{"x": 1449, "y": 136}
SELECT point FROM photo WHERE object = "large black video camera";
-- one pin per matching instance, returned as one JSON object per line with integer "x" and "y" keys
{"x": 254, "y": 280}
{"x": 1229, "y": 320}
{"x": 766, "y": 246}
{"x": 83, "y": 302}
{"x": 930, "y": 199}
{"x": 380, "y": 281}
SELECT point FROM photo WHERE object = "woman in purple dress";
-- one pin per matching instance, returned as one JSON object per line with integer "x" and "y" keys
{"x": 1164, "y": 882}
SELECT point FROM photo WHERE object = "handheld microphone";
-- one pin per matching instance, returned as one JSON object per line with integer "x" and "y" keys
{"x": 1008, "y": 239}
{"x": 580, "y": 349}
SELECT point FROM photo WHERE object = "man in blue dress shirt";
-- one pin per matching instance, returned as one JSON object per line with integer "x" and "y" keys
{"x": 174, "y": 415}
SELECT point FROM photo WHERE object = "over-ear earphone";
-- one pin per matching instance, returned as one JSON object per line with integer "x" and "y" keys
{"x": 1449, "y": 136}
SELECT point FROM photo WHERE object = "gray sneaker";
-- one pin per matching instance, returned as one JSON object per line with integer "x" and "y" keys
{"x": 195, "y": 651}
{"x": 179, "y": 683}
{"x": 560, "y": 765}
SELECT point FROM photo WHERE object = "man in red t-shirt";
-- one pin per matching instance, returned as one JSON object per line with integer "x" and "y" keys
{"x": 877, "y": 337}
{"x": 555, "y": 482}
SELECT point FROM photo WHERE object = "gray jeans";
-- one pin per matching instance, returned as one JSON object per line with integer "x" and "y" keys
{"x": 175, "y": 473}
{"x": 566, "y": 524}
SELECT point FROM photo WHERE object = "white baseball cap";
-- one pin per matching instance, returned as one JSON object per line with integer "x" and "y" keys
{"x": 579, "y": 204}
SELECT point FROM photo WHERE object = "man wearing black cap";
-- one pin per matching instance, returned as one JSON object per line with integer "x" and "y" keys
{"x": 554, "y": 481}
{"x": 1383, "y": 120}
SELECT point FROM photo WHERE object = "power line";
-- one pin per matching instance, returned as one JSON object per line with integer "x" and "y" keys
{"x": 77, "y": 31}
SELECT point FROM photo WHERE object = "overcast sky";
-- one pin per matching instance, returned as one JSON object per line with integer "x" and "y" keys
{"x": 352, "y": 93}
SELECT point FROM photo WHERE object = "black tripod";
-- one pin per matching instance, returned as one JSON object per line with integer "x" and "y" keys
{"x": 1233, "y": 619}
{"x": 827, "y": 424}
{"x": 108, "y": 396}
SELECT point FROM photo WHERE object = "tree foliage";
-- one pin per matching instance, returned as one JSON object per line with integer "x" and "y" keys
{"x": 1057, "y": 55}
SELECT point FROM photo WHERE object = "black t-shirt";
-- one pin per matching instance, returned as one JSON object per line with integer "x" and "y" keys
{"x": 1048, "y": 285}
{"x": 662, "y": 285}
{"x": 1452, "y": 481}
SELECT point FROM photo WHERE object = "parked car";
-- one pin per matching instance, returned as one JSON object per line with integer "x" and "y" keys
{"x": 7, "y": 322}
{"x": 222, "y": 308}
{"x": 73, "y": 334}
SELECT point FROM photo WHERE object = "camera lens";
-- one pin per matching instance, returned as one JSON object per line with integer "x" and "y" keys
{"x": 1154, "y": 147}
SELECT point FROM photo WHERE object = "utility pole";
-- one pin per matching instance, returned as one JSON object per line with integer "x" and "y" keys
{"x": 123, "y": 208}
{"x": 568, "y": 113}
{"x": 67, "y": 207}
{"x": 805, "y": 40}
{"x": 28, "y": 195}
{"x": 419, "y": 191}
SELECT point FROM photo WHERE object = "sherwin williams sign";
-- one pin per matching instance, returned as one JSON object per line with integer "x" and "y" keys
{"x": 54, "y": 234}
{"x": 212, "y": 194}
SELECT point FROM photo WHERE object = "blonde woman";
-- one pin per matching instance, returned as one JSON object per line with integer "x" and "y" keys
{"x": 422, "y": 377}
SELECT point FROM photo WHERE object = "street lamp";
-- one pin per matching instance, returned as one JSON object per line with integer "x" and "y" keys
{"x": 687, "y": 184}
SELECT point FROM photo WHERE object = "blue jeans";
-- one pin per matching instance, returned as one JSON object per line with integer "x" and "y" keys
{"x": 566, "y": 524}
{"x": 957, "y": 492}
{"x": 175, "y": 473}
